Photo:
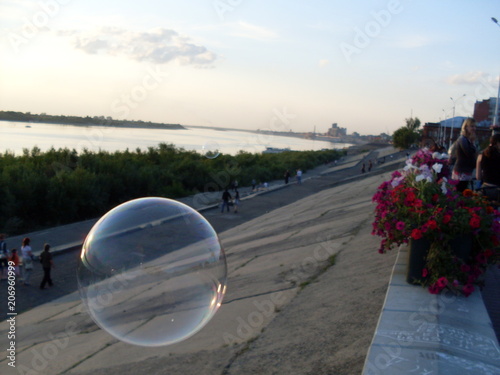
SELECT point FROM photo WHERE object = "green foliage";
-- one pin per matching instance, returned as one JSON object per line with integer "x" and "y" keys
{"x": 43, "y": 189}
{"x": 407, "y": 135}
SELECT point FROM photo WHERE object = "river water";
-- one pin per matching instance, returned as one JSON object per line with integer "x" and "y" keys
{"x": 16, "y": 136}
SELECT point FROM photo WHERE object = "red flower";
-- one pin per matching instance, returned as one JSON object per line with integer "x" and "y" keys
{"x": 467, "y": 193}
{"x": 468, "y": 289}
{"x": 465, "y": 268}
{"x": 434, "y": 289}
{"x": 416, "y": 234}
{"x": 446, "y": 219}
{"x": 425, "y": 272}
{"x": 475, "y": 221}
{"x": 432, "y": 224}
{"x": 488, "y": 253}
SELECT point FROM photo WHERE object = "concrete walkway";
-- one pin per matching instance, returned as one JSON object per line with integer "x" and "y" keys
{"x": 305, "y": 289}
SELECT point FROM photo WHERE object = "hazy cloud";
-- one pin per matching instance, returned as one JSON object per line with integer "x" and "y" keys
{"x": 250, "y": 31}
{"x": 158, "y": 46}
{"x": 414, "y": 41}
{"x": 471, "y": 78}
{"x": 322, "y": 63}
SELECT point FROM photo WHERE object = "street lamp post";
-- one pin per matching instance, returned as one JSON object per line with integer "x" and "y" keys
{"x": 453, "y": 118}
{"x": 442, "y": 131}
{"x": 495, "y": 115}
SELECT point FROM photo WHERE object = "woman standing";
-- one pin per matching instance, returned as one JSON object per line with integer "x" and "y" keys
{"x": 27, "y": 260}
{"x": 466, "y": 154}
{"x": 488, "y": 169}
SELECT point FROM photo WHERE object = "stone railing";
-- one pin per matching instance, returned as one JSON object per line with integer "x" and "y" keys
{"x": 421, "y": 333}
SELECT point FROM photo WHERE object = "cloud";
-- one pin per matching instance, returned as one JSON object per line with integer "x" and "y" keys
{"x": 158, "y": 46}
{"x": 471, "y": 78}
{"x": 322, "y": 63}
{"x": 250, "y": 31}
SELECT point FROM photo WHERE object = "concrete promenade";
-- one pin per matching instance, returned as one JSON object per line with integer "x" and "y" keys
{"x": 305, "y": 290}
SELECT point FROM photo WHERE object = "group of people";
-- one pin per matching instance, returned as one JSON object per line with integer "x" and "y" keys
{"x": 466, "y": 159}
{"x": 23, "y": 264}
{"x": 288, "y": 175}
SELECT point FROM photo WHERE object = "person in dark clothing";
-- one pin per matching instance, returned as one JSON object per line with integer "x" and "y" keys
{"x": 488, "y": 169}
{"x": 226, "y": 197}
{"x": 287, "y": 176}
{"x": 4, "y": 257}
{"x": 466, "y": 154}
{"x": 47, "y": 264}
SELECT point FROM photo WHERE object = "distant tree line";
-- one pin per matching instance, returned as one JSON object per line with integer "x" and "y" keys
{"x": 76, "y": 120}
{"x": 44, "y": 189}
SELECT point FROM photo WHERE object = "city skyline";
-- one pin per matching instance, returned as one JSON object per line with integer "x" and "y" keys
{"x": 283, "y": 66}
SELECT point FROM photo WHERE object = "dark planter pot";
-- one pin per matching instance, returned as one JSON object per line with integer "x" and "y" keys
{"x": 462, "y": 247}
{"x": 416, "y": 260}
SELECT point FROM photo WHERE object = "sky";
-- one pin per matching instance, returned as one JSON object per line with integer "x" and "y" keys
{"x": 272, "y": 65}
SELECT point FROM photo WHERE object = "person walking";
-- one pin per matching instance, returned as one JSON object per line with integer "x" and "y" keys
{"x": 299, "y": 176}
{"x": 236, "y": 201}
{"x": 226, "y": 197}
{"x": 27, "y": 255}
{"x": 47, "y": 264}
{"x": 466, "y": 154}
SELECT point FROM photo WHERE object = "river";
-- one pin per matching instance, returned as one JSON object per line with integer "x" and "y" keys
{"x": 16, "y": 136}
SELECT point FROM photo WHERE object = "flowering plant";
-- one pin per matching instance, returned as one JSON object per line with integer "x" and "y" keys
{"x": 420, "y": 202}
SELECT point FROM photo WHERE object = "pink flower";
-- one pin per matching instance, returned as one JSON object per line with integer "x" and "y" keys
{"x": 442, "y": 282}
{"x": 400, "y": 225}
{"x": 425, "y": 272}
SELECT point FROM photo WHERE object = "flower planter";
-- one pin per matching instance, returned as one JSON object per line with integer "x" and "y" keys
{"x": 417, "y": 257}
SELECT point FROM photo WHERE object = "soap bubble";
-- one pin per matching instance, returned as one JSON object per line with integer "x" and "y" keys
{"x": 211, "y": 149}
{"x": 152, "y": 272}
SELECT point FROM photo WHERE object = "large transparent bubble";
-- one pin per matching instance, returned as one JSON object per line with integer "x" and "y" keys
{"x": 152, "y": 272}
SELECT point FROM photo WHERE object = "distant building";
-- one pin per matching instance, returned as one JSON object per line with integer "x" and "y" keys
{"x": 337, "y": 132}
{"x": 438, "y": 133}
{"x": 484, "y": 113}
